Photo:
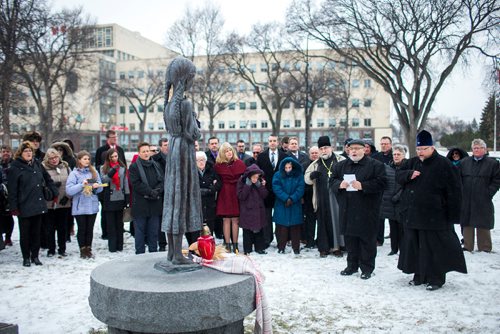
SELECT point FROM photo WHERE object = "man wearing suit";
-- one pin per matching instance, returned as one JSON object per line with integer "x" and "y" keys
{"x": 269, "y": 162}
{"x": 240, "y": 150}
{"x": 293, "y": 151}
{"x": 100, "y": 157}
{"x": 213, "y": 149}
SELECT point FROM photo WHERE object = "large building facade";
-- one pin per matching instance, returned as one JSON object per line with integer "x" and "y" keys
{"x": 121, "y": 88}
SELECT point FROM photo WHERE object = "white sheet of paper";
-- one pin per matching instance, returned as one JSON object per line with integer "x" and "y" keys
{"x": 350, "y": 178}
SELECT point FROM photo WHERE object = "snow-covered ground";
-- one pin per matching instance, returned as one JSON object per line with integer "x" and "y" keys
{"x": 306, "y": 293}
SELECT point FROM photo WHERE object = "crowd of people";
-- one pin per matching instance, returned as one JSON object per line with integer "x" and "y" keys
{"x": 335, "y": 203}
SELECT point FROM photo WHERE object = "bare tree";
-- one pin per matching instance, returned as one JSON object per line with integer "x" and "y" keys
{"x": 54, "y": 45}
{"x": 16, "y": 21}
{"x": 199, "y": 32}
{"x": 142, "y": 94}
{"x": 409, "y": 47}
{"x": 264, "y": 46}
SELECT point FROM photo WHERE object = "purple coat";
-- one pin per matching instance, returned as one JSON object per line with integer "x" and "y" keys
{"x": 251, "y": 198}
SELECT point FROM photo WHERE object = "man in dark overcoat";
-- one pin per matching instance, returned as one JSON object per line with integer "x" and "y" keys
{"x": 480, "y": 180}
{"x": 359, "y": 182}
{"x": 269, "y": 161}
{"x": 430, "y": 205}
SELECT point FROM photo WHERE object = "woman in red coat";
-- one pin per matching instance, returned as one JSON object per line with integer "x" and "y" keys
{"x": 229, "y": 168}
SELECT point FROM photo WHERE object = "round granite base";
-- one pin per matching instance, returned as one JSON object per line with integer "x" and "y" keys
{"x": 131, "y": 296}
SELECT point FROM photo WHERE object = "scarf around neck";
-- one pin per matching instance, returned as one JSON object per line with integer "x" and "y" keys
{"x": 116, "y": 176}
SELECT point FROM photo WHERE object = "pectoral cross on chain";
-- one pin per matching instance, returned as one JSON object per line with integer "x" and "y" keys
{"x": 329, "y": 174}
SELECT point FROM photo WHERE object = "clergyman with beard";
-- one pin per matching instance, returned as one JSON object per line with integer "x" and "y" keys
{"x": 318, "y": 174}
{"x": 358, "y": 183}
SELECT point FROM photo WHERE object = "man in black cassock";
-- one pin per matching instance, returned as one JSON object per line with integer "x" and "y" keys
{"x": 430, "y": 205}
{"x": 318, "y": 174}
{"x": 359, "y": 183}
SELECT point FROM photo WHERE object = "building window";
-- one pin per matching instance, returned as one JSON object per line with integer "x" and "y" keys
{"x": 122, "y": 109}
{"x": 232, "y": 125}
{"x": 132, "y": 126}
{"x": 252, "y": 68}
{"x": 161, "y": 126}
{"x": 367, "y": 134}
{"x": 355, "y": 103}
{"x": 221, "y": 124}
{"x": 220, "y": 69}
{"x": 368, "y": 122}
{"x": 286, "y": 123}
{"x": 355, "y": 122}
{"x": 32, "y": 110}
{"x": 122, "y": 75}
{"x": 131, "y": 109}
{"x": 286, "y": 105}
{"x": 367, "y": 103}
{"x": 253, "y": 124}
{"x": 253, "y": 105}
{"x": 200, "y": 107}
{"x": 367, "y": 83}
{"x": 151, "y": 126}
{"x": 141, "y": 109}
{"x": 243, "y": 105}
{"x": 320, "y": 122}
{"x": 298, "y": 123}
{"x": 140, "y": 74}
{"x": 332, "y": 122}
{"x": 231, "y": 88}
{"x": 263, "y": 124}
{"x": 263, "y": 67}
{"x": 131, "y": 74}
{"x": 355, "y": 83}
{"x": 243, "y": 87}
{"x": 160, "y": 107}
{"x": 222, "y": 106}
{"x": 343, "y": 122}
{"x": 231, "y": 106}
{"x": 243, "y": 124}
{"x": 321, "y": 103}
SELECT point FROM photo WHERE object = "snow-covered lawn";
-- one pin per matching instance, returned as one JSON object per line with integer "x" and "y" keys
{"x": 306, "y": 293}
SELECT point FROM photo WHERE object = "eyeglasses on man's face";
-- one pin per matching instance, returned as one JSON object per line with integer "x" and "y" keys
{"x": 421, "y": 149}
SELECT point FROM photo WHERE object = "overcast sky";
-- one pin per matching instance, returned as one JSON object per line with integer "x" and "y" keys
{"x": 462, "y": 96}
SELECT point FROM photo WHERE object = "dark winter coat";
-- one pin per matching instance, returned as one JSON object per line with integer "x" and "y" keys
{"x": 25, "y": 183}
{"x": 288, "y": 186}
{"x": 251, "y": 197}
{"x": 384, "y": 158}
{"x": 144, "y": 203}
{"x": 265, "y": 164}
{"x": 359, "y": 210}
{"x": 432, "y": 200}
{"x": 387, "y": 209}
{"x": 208, "y": 191}
{"x": 480, "y": 181}
{"x": 302, "y": 158}
{"x": 227, "y": 200}
{"x": 113, "y": 199}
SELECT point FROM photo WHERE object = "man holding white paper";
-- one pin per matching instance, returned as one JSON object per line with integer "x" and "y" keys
{"x": 358, "y": 183}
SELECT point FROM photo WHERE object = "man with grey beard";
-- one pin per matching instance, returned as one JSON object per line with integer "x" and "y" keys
{"x": 358, "y": 183}
{"x": 318, "y": 174}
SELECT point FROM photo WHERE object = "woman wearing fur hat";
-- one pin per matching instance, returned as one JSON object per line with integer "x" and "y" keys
{"x": 60, "y": 207}
{"x": 251, "y": 194}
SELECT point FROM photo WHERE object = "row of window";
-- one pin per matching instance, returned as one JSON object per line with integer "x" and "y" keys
{"x": 139, "y": 74}
{"x": 286, "y": 123}
{"x": 355, "y": 103}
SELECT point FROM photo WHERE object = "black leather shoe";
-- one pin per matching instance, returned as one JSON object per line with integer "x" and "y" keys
{"x": 366, "y": 275}
{"x": 337, "y": 253}
{"x": 392, "y": 253}
{"x": 281, "y": 251}
{"x": 414, "y": 283}
{"x": 50, "y": 254}
{"x": 26, "y": 263}
{"x": 262, "y": 252}
{"x": 432, "y": 287}
{"x": 36, "y": 261}
{"x": 63, "y": 254}
{"x": 323, "y": 254}
{"x": 348, "y": 272}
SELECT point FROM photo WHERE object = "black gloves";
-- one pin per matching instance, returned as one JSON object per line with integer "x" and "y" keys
{"x": 315, "y": 175}
{"x": 111, "y": 172}
{"x": 154, "y": 194}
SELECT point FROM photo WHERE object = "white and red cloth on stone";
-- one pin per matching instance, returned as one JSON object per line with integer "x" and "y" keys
{"x": 238, "y": 264}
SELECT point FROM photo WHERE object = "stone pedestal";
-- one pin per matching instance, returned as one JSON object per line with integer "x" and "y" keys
{"x": 130, "y": 296}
